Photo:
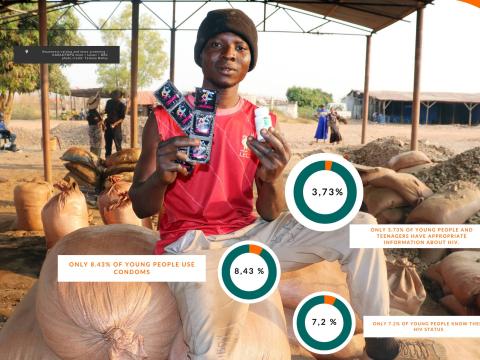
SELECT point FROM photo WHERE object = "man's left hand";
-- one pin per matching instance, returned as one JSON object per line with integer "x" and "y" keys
{"x": 273, "y": 154}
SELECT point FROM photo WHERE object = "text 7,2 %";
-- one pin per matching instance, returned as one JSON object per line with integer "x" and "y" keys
{"x": 320, "y": 322}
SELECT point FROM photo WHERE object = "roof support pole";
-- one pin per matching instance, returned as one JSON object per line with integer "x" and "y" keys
{"x": 173, "y": 31}
{"x": 134, "y": 76}
{"x": 416, "y": 81}
{"x": 470, "y": 107}
{"x": 365, "y": 89}
{"x": 47, "y": 161}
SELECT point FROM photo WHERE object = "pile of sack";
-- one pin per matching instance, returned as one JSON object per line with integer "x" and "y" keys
{"x": 458, "y": 275}
{"x": 395, "y": 196}
{"x": 122, "y": 164}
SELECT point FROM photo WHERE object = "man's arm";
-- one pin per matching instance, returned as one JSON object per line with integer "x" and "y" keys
{"x": 274, "y": 155}
{"x": 156, "y": 169}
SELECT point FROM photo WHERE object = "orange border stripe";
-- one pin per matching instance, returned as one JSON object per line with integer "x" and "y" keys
{"x": 254, "y": 249}
{"x": 328, "y": 165}
{"x": 329, "y": 299}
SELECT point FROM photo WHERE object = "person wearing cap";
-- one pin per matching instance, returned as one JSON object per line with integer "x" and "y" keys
{"x": 115, "y": 110}
{"x": 95, "y": 125}
{"x": 211, "y": 208}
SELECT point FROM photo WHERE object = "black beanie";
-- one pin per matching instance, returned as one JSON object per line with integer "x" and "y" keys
{"x": 227, "y": 20}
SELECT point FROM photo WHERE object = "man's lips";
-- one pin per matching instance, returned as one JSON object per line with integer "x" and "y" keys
{"x": 226, "y": 70}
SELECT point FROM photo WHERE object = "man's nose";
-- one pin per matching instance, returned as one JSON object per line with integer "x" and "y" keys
{"x": 229, "y": 52}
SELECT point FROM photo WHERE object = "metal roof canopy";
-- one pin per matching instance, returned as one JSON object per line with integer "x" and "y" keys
{"x": 370, "y": 14}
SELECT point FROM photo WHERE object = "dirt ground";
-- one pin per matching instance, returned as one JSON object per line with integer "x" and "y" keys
{"x": 22, "y": 252}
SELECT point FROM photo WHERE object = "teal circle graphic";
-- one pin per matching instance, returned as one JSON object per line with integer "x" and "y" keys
{"x": 254, "y": 294}
{"x": 325, "y": 218}
{"x": 300, "y": 320}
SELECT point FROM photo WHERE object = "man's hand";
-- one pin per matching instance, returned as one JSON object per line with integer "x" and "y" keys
{"x": 273, "y": 154}
{"x": 167, "y": 153}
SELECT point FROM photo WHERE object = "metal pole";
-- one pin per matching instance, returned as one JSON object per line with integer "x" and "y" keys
{"x": 264, "y": 15}
{"x": 47, "y": 163}
{"x": 416, "y": 81}
{"x": 173, "y": 31}
{"x": 134, "y": 76}
{"x": 365, "y": 90}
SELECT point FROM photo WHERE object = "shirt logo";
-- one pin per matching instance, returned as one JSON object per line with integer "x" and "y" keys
{"x": 245, "y": 152}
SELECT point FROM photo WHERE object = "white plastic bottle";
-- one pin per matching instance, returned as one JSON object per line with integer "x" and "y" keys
{"x": 262, "y": 121}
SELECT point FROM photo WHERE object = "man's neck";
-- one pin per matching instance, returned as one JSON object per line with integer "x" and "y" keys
{"x": 227, "y": 97}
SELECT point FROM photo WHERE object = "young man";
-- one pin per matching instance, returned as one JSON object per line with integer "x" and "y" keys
{"x": 7, "y": 135}
{"x": 115, "y": 110}
{"x": 95, "y": 125}
{"x": 212, "y": 208}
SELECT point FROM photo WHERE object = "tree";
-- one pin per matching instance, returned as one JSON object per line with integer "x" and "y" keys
{"x": 308, "y": 97}
{"x": 152, "y": 60}
{"x": 24, "y": 78}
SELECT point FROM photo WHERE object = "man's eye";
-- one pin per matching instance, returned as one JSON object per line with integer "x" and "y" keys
{"x": 216, "y": 44}
{"x": 242, "y": 48}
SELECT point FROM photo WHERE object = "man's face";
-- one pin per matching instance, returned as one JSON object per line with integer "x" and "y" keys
{"x": 225, "y": 60}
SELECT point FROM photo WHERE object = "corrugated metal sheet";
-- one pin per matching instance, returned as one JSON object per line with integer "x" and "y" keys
{"x": 426, "y": 96}
{"x": 372, "y": 14}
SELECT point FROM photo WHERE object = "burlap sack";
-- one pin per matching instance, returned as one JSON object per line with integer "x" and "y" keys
{"x": 120, "y": 168}
{"x": 460, "y": 272}
{"x": 84, "y": 172}
{"x": 216, "y": 326}
{"x": 393, "y": 216}
{"x": 29, "y": 199}
{"x": 124, "y": 176}
{"x": 64, "y": 213}
{"x": 407, "y": 160}
{"x": 21, "y": 338}
{"x": 295, "y": 285}
{"x": 353, "y": 350}
{"x": 455, "y": 307}
{"x": 416, "y": 169}
{"x": 368, "y": 173}
{"x": 125, "y": 156}
{"x": 406, "y": 289}
{"x": 115, "y": 206}
{"x": 98, "y": 321}
{"x": 455, "y": 203}
{"x": 81, "y": 156}
{"x": 81, "y": 183}
{"x": 379, "y": 199}
{"x": 407, "y": 186}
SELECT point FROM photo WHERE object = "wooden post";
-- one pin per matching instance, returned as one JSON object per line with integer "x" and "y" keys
{"x": 134, "y": 76}
{"x": 56, "y": 106}
{"x": 366, "y": 90}
{"x": 416, "y": 81}
{"x": 173, "y": 30}
{"x": 47, "y": 163}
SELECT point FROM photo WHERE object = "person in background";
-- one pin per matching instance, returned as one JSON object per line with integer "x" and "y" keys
{"x": 333, "y": 120}
{"x": 115, "y": 110}
{"x": 322, "y": 127}
{"x": 7, "y": 135}
{"x": 95, "y": 125}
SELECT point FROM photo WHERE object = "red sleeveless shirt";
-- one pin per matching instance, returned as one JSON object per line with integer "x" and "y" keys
{"x": 217, "y": 197}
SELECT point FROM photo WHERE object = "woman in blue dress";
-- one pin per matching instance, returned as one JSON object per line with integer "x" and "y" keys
{"x": 322, "y": 127}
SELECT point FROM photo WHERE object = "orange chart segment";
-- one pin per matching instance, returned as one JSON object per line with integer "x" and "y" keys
{"x": 329, "y": 300}
{"x": 254, "y": 249}
{"x": 328, "y": 165}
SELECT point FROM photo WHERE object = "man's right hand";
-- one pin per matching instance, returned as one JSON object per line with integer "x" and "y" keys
{"x": 167, "y": 153}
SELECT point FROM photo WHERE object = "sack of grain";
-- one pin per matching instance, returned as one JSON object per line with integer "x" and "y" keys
{"x": 416, "y": 169}
{"x": 84, "y": 172}
{"x": 295, "y": 285}
{"x": 123, "y": 176}
{"x": 64, "y": 213}
{"x": 80, "y": 182}
{"x": 213, "y": 320}
{"x": 353, "y": 350}
{"x": 120, "y": 168}
{"x": 460, "y": 272}
{"x": 21, "y": 338}
{"x": 379, "y": 199}
{"x": 115, "y": 205}
{"x": 455, "y": 203}
{"x": 406, "y": 289}
{"x": 393, "y": 216}
{"x": 29, "y": 199}
{"x": 77, "y": 155}
{"x": 407, "y": 160}
{"x": 368, "y": 173}
{"x": 113, "y": 320}
{"x": 407, "y": 186}
{"x": 126, "y": 156}
{"x": 454, "y": 306}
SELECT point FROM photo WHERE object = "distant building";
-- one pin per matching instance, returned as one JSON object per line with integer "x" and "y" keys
{"x": 436, "y": 107}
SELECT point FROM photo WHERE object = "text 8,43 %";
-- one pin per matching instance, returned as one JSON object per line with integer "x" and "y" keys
{"x": 249, "y": 271}
{"x": 327, "y": 192}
